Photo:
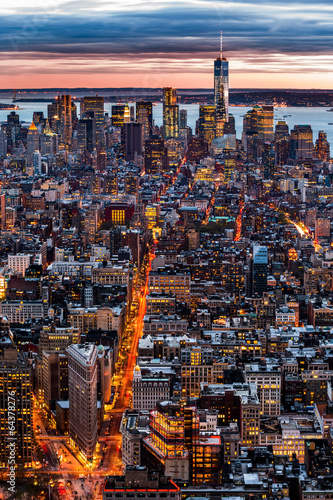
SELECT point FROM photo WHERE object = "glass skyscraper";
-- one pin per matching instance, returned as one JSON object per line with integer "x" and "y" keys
{"x": 221, "y": 86}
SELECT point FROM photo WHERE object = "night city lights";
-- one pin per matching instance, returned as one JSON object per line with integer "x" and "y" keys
{"x": 166, "y": 250}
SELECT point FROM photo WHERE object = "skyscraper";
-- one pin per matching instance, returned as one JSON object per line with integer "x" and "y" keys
{"x": 281, "y": 138}
{"x": 3, "y": 143}
{"x": 82, "y": 388}
{"x": 267, "y": 121}
{"x": 221, "y": 91}
{"x": 16, "y": 385}
{"x": 259, "y": 270}
{"x": 207, "y": 122}
{"x": 133, "y": 140}
{"x": 156, "y": 155}
{"x": 170, "y": 113}
{"x": 183, "y": 118}
{"x": 66, "y": 126}
{"x": 268, "y": 160}
{"x": 301, "y": 143}
{"x": 95, "y": 105}
{"x": 144, "y": 115}
{"x": 117, "y": 115}
{"x": 32, "y": 142}
{"x": 322, "y": 147}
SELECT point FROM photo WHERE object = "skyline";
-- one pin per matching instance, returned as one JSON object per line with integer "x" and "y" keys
{"x": 156, "y": 44}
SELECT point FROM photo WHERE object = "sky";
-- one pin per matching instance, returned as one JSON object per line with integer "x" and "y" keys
{"x": 156, "y": 43}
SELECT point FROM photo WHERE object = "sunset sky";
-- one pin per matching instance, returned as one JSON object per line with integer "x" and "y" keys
{"x": 154, "y": 43}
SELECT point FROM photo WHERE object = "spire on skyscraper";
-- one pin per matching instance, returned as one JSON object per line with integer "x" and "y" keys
{"x": 221, "y": 46}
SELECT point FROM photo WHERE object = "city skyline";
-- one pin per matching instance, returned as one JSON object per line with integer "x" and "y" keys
{"x": 165, "y": 44}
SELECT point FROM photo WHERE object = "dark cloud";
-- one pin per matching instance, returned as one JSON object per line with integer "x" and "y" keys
{"x": 177, "y": 30}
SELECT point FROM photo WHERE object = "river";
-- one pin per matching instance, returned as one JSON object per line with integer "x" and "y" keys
{"x": 318, "y": 117}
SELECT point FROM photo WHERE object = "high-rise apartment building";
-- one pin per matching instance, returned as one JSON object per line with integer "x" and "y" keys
{"x": 82, "y": 389}
{"x": 15, "y": 408}
{"x": 170, "y": 113}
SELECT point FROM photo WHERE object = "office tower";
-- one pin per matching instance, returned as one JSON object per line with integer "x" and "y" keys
{"x": 251, "y": 132}
{"x": 230, "y": 126}
{"x": 37, "y": 162}
{"x": 183, "y": 118}
{"x": 170, "y": 113}
{"x": 207, "y": 123}
{"x": 221, "y": 91}
{"x": 197, "y": 150}
{"x": 86, "y": 134}
{"x": 301, "y": 143}
{"x": 66, "y": 126}
{"x": 54, "y": 377}
{"x": 13, "y": 118}
{"x": 38, "y": 117}
{"x": 133, "y": 140}
{"x": 53, "y": 114}
{"x": 120, "y": 114}
{"x": 2, "y": 226}
{"x": 13, "y": 129}
{"x": 93, "y": 106}
{"x": 82, "y": 389}
{"x": 143, "y": 119}
{"x": 259, "y": 270}
{"x": 32, "y": 142}
{"x": 48, "y": 141}
{"x": 322, "y": 147}
{"x": 156, "y": 155}
{"x": 267, "y": 123}
{"x": 144, "y": 115}
{"x": 3, "y": 143}
{"x": 167, "y": 440}
{"x": 268, "y": 160}
{"x": 16, "y": 385}
{"x": 281, "y": 139}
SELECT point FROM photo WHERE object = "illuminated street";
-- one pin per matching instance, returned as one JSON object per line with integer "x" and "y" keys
{"x": 124, "y": 370}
